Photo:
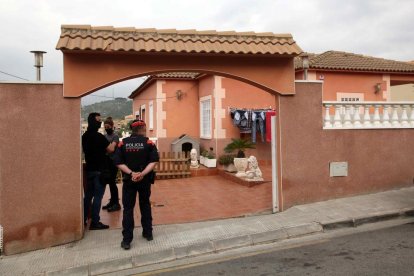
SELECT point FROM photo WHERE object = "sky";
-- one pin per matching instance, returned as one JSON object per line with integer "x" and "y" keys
{"x": 380, "y": 28}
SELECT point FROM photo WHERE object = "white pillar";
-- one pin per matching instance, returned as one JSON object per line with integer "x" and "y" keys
{"x": 357, "y": 118}
{"x": 347, "y": 117}
{"x": 394, "y": 119}
{"x": 367, "y": 118}
{"x": 337, "y": 117}
{"x": 377, "y": 119}
{"x": 404, "y": 116}
{"x": 327, "y": 120}
{"x": 412, "y": 116}
{"x": 275, "y": 182}
{"x": 386, "y": 116}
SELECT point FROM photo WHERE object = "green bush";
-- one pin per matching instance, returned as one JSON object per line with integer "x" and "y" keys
{"x": 226, "y": 159}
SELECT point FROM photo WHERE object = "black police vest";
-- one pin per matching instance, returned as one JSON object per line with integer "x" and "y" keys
{"x": 136, "y": 152}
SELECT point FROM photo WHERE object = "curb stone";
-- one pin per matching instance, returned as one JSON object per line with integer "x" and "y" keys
{"x": 159, "y": 257}
{"x": 73, "y": 271}
{"x": 194, "y": 249}
{"x": 110, "y": 266}
{"x": 191, "y": 250}
{"x": 233, "y": 242}
{"x": 357, "y": 221}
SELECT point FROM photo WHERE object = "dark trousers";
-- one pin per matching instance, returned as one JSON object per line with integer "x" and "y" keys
{"x": 93, "y": 196}
{"x": 129, "y": 197}
{"x": 111, "y": 181}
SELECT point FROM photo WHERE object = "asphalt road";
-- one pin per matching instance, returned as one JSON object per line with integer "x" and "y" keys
{"x": 387, "y": 251}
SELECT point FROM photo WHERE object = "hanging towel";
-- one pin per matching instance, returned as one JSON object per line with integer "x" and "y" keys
{"x": 269, "y": 114}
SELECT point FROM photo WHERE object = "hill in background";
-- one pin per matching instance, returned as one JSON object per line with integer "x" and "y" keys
{"x": 117, "y": 108}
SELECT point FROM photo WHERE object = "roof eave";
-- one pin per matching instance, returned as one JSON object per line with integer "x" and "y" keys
{"x": 355, "y": 70}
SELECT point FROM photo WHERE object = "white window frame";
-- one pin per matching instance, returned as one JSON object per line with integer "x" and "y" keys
{"x": 151, "y": 115}
{"x": 202, "y": 134}
{"x": 141, "y": 108}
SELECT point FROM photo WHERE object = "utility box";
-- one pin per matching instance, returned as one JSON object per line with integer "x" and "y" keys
{"x": 338, "y": 169}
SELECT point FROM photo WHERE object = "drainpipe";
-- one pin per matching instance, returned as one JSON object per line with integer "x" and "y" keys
{"x": 216, "y": 114}
{"x": 305, "y": 65}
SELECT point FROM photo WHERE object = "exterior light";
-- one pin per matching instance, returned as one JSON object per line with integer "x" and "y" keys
{"x": 179, "y": 94}
{"x": 377, "y": 88}
{"x": 38, "y": 62}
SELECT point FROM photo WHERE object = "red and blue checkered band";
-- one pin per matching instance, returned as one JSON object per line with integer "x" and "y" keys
{"x": 138, "y": 123}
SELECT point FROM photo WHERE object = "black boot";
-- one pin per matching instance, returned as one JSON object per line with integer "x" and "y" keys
{"x": 114, "y": 207}
{"x": 107, "y": 206}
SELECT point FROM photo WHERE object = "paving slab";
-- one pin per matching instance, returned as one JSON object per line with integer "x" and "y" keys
{"x": 100, "y": 252}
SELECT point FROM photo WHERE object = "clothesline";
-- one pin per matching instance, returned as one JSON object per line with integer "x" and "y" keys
{"x": 250, "y": 109}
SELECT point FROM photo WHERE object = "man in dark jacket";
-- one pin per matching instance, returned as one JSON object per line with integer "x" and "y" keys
{"x": 136, "y": 157}
{"x": 95, "y": 146}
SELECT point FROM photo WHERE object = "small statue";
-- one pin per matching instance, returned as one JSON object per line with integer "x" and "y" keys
{"x": 194, "y": 162}
{"x": 253, "y": 173}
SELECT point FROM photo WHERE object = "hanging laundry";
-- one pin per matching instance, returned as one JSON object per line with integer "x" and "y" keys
{"x": 258, "y": 124}
{"x": 242, "y": 119}
{"x": 269, "y": 115}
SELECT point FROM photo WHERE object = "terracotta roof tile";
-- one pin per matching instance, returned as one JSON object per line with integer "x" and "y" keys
{"x": 177, "y": 75}
{"x": 108, "y": 38}
{"x": 169, "y": 75}
{"x": 334, "y": 60}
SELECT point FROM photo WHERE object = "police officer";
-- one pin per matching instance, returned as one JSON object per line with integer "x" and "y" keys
{"x": 136, "y": 157}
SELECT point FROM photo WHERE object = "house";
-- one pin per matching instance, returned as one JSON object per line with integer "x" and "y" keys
{"x": 354, "y": 77}
{"x": 198, "y": 105}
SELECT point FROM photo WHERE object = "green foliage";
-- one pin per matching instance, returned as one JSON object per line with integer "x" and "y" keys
{"x": 117, "y": 108}
{"x": 226, "y": 159}
{"x": 211, "y": 155}
{"x": 124, "y": 128}
{"x": 240, "y": 145}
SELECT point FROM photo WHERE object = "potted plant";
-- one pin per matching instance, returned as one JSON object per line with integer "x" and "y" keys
{"x": 240, "y": 162}
{"x": 210, "y": 160}
{"x": 203, "y": 156}
{"x": 227, "y": 160}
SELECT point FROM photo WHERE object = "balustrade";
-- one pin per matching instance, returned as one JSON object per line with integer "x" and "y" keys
{"x": 374, "y": 115}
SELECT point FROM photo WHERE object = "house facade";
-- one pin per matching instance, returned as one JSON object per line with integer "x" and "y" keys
{"x": 199, "y": 105}
{"x": 349, "y": 77}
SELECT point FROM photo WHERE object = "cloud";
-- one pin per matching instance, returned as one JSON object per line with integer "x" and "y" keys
{"x": 382, "y": 28}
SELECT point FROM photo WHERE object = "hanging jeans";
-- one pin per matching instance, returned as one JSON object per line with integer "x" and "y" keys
{"x": 258, "y": 124}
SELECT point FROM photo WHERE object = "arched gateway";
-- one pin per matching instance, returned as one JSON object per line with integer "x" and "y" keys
{"x": 95, "y": 57}
{"x": 42, "y": 186}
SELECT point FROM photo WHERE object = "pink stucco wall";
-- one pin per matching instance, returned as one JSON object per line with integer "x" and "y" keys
{"x": 147, "y": 95}
{"x": 335, "y": 82}
{"x": 182, "y": 114}
{"x": 242, "y": 95}
{"x": 348, "y": 82}
{"x": 40, "y": 161}
{"x": 377, "y": 159}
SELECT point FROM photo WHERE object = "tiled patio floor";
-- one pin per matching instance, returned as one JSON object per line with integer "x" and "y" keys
{"x": 199, "y": 199}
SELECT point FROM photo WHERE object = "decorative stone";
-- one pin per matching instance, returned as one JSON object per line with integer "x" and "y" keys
{"x": 254, "y": 173}
{"x": 194, "y": 162}
{"x": 241, "y": 166}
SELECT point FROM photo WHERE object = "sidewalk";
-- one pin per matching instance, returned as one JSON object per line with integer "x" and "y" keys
{"x": 100, "y": 252}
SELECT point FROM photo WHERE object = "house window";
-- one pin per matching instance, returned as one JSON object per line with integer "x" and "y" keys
{"x": 151, "y": 115}
{"x": 350, "y": 98}
{"x": 143, "y": 113}
{"x": 205, "y": 117}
